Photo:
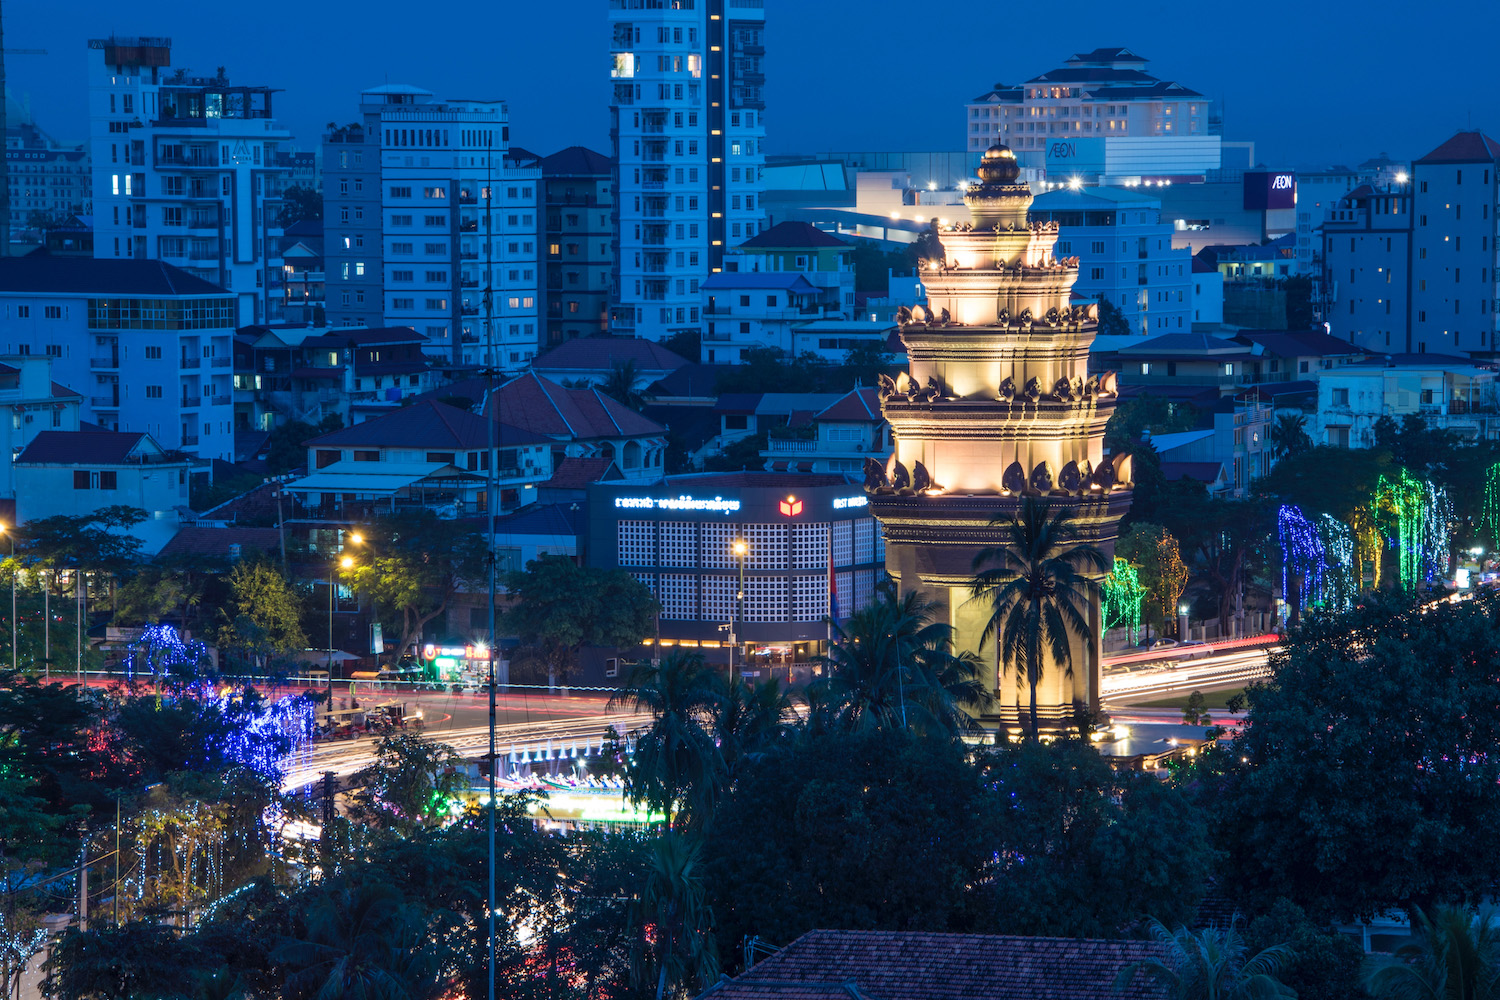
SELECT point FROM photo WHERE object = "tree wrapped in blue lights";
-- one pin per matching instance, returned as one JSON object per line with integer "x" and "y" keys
{"x": 1340, "y": 585}
{"x": 1122, "y": 599}
{"x": 159, "y": 653}
{"x": 1304, "y": 559}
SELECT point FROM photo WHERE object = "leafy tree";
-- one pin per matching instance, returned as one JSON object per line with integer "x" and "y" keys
{"x": 1154, "y": 552}
{"x": 1036, "y": 587}
{"x": 838, "y": 831}
{"x": 744, "y": 453}
{"x": 1147, "y": 412}
{"x": 770, "y": 369}
{"x": 286, "y": 449}
{"x": 750, "y": 720}
{"x": 412, "y": 783}
{"x": 1325, "y": 480}
{"x": 1112, "y": 322}
{"x": 1225, "y": 541}
{"x": 873, "y": 266}
{"x": 676, "y": 768}
{"x": 1288, "y": 435}
{"x": 866, "y": 361}
{"x": 928, "y": 246}
{"x": 417, "y": 564}
{"x": 1365, "y": 770}
{"x": 1195, "y": 712}
{"x": 1077, "y": 843}
{"x": 364, "y": 943}
{"x": 1325, "y": 963}
{"x": 1454, "y": 954}
{"x": 685, "y": 344}
{"x": 1212, "y": 964}
{"x": 130, "y": 962}
{"x": 102, "y": 540}
{"x": 300, "y": 204}
{"x": 891, "y": 665}
{"x": 560, "y": 607}
{"x": 264, "y": 614}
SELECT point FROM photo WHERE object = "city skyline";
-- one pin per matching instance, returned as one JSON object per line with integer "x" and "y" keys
{"x": 1280, "y": 86}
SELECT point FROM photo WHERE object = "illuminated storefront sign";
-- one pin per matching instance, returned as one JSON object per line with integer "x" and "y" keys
{"x": 717, "y": 505}
{"x": 791, "y": 507}
{"x": 844, "y": 503}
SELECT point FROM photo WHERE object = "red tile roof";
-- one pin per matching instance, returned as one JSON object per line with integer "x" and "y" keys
{"x": 426, "y": 423}
{"x": 82, "y": 447}
{"x": 1465, "y": 147}
{"x": 603, "y": 353}
{"x": 217, "y": 543}
{"x": 576, "y": 473}
{"x": 543, "y": 407}
{"x": 857, "y": 404}
{"x": 900, "y": 965}
{"x": 793, "y": 234}
{"x": 256, "y": 505}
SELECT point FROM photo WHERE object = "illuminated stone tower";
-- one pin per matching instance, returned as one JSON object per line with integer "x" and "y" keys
{"x": 998, "y": 405}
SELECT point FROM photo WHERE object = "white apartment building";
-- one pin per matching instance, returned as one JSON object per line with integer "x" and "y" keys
{"x": 30, "y": 402}
{"x": 1124, "y": 254}
{"x": 149, "y": 347}
{"x": 408, "y": 220}
{"x": 187, "y": 170}
{"x": 1100, "y": 114}
{"x": 688, "y": 121}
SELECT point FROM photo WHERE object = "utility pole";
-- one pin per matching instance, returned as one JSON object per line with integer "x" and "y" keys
{"x": 491, "y": 413}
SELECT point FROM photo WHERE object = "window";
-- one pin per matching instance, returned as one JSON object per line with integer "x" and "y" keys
{"x": 153, "y": 353}
{"x": 437, "y": 276}
{"x": 53, "y": 312}
{"x": 108, "y": 479}
{"x": 401, "y": 275}
{"x": 23, "y": 312}
{"x": 80, "y": 479}
{"x": 679, "y": 544}
{"x": 679, "y": 596}
{"x": 401, "y": 248}
{"x": 434, "y": 192}
{"x": 636, "y": 541}
{"x": 434, "y": 220}
{"x": 154, "y": 391}
{"x": 400, "y": 220}
{"x": 1340, "y": 397}
{"x": 400, "y": 192}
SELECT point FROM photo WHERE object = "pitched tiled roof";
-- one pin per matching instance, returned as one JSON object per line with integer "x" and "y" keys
{"x": 791, "y": 281}
{"x": 256, "y": 505}
{"x": 1465, "y": 147}
{"x": 60, "y": 391}
{"x": 789, "y": 235}
{"x": 361, "y": 336}
{"x": 575, "y": 161}
{"x": 425, "y": 424}
{"x": 692, "y": 380}
{"x": 603, "y": 353}
{"x": 41, "y": 274}
{"x": 544, "y": 407}
{"x": 543, "y": 519}
{"x": 82, "y": 447}
{"x": 217, "y": 543}
{"x": 1291, "y": 343}
{"x": 576, "y": 473}
{"x": 856, "y": 404}
{"x": 903, "y": 965}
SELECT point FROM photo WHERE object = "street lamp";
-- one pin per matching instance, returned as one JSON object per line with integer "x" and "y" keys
{"x": 346, "y": 563}
{"x": 739, "y": 548}
{"x": 11, "y": 538}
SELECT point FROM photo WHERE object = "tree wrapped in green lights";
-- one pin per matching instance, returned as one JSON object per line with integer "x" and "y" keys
{"x": 1417, "y": 516}
{"x": 1489, "y": 518}
{"x": 1123, "y": 595}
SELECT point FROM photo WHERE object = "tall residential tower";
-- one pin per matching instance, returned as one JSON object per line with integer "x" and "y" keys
{"x": 187, "y": 170}
{"x": 688, "y": 123}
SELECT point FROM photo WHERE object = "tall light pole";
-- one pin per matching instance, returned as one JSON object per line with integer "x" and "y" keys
{"x": 346, "y": 563}
{"x": 740, "y": 549}
{"x": 14, "y": 632}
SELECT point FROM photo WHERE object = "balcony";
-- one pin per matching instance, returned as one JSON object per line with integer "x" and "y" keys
{"x": 191, "y": 363}
{"x": 189, "y": 403}
{"x": 190, "y": 440}
{"x": 468, "y": 255}
{"x": 467, "y": 198}
{"x": 468, "y": 283}
{"x": 470, "y": 226}
{"x": 791, "y": 446}
{"x": 104, "y": 402}
{"x": 221, "y": 400}
{"x": 468, "y": 310}
{"x": 104, "y": 364}
{"x": 223, "y": 362}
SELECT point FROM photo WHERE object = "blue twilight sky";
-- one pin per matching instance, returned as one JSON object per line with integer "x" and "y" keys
{"x": 1312, "y": 82}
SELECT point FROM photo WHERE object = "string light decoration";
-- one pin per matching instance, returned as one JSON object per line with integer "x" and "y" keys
{"x": 1123, "y": 595}
{"x": 1368, "y": 545}
{"x": 1174, "y": 575}
{"x": 1489, "y": 518}
{"x": 1303, "y": 555}
{"x": 1418, "y": 517}
{"x": 160, "y": 651}
{"x": 1340, "y": 585}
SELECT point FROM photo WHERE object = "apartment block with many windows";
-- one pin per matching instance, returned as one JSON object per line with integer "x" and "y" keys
{"x": 578, "y": 188}
{"x": 187, "y": 170}
{"x": 427, "y": 210}
{"x": 688, "y": 122}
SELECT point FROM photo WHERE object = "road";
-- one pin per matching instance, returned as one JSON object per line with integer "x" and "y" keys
{"x": 1150, "y": 676}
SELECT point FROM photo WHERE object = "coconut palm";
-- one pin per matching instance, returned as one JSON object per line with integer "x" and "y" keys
{"x": 676, "y": 768}
{"x": 1038, "y": 586}
{"x": 672, "y": 921}
{"x": 1211, "y": 964}
{"x": 623, "y": 385}
{"x": 748, "y": 720}
{"x": 891, "y": 665}
{"x": 1454, "y": 955}
{"x": 1288, "y": 435}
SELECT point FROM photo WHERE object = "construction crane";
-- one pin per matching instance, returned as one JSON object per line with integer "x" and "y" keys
{"x": 4, "y": 126}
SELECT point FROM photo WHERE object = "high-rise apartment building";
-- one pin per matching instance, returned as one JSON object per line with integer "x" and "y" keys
{"x": 1411, "y": 268}
{"x": 1100, "y": 114}
{"x": 688, "y": 122}
{"x": 412, "y": 234}
{"x": 48, "y": 181}
{"x": 579, "y": 199}
{"x": 186, "y": 170}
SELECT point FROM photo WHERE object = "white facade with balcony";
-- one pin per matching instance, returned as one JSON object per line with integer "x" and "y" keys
{"x": 187, "y": 170}
{"x": 1447, "y": 393}
{"x": 688, "y": 121}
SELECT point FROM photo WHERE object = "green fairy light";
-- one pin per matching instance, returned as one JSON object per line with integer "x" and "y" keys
{"x": 1123, "y": 595}
{"x": 1417, "y": 516}
{"x": 1489, "y": 523}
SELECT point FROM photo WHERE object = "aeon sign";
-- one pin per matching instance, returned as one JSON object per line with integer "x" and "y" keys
{"x": 1266, "y": 189}
{"x": 1075, "y": 156}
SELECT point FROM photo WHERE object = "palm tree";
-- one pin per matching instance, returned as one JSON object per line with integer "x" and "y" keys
{"x": 748, "y": 720}
{"x": 891, "y": 665}
{"x": 362, "y": 944}
{"x": 1455, "y": 955}
{"x": 673, "y": 914}
{"x": 1038, "y": 589}
{"x": 676, "y": 767}
{"x": 623, "y": 386}
{"x": 1288, "y": 435}
{"x": 1211, "y": 965}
